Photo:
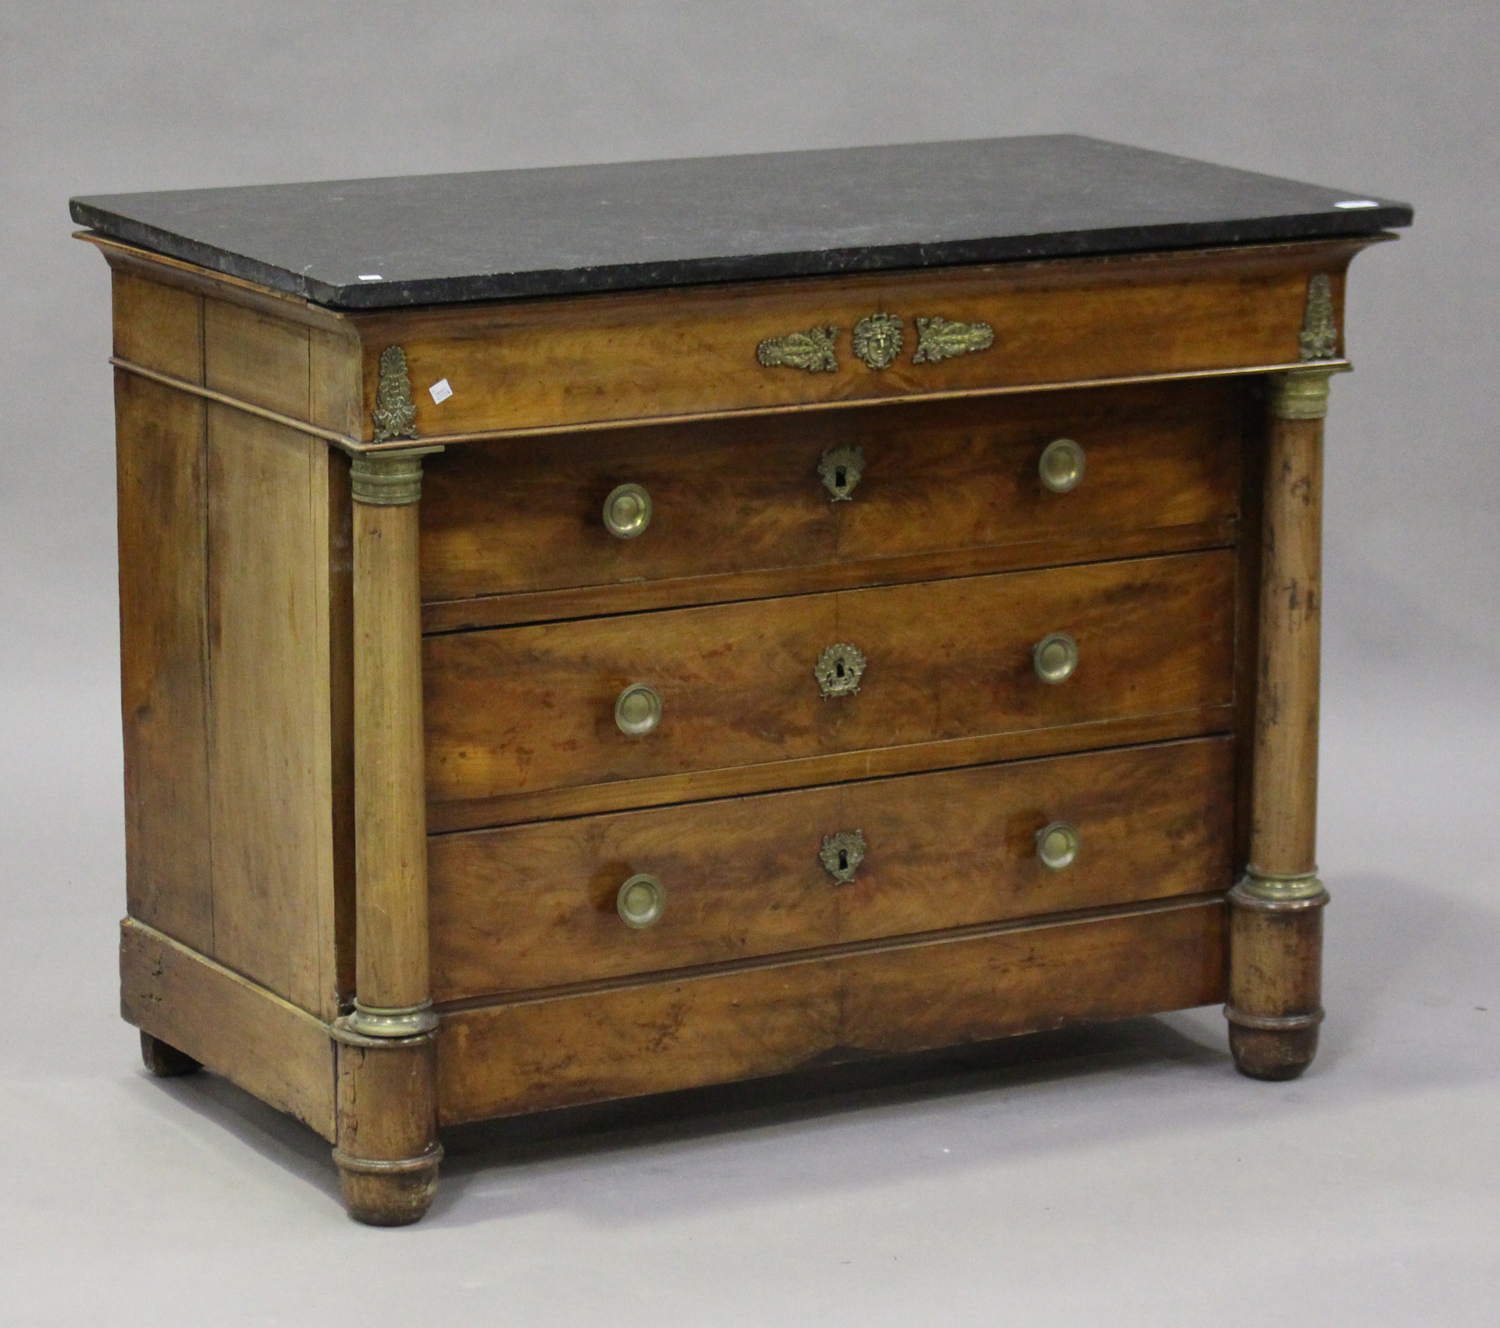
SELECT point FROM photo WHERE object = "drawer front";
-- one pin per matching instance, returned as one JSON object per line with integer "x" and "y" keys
{"x": 521, "y": 709}
{"x": 747, "y": 496}
{"x": 593, "y": 1045}
{"x": 537, "y": 905}
{"x": 590, "y": 360}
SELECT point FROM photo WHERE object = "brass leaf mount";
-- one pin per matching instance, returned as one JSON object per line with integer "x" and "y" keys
{"x": 878, "y": 340}
{"x": 940, "y": 339}
{"x": 1320, "y": 333}
{"x": 811, "y": 350}
{"x": 842, "y": 853}
{"x": 394, "y": 416}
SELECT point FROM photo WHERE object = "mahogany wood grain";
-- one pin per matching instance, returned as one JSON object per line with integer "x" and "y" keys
{"x": 534, "y": 905}
{"x": 235, "y": 1027}
{"x": 270, "y": 751}
{"x": 163, "y": 503}
{"x": 638, "y": 355}
{"x": 650, "y": 1037}
{"x": 522, "y": 709}
{"x": 745, "y": 496}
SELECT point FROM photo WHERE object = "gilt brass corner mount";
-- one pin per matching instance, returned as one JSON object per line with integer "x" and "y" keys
{"x": 1320, "y": 334}
{"x": 395, "y": 415}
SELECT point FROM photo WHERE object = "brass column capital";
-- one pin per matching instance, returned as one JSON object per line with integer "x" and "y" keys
{"x": 1302, "y": 394}
{"x": 388, "y": 479}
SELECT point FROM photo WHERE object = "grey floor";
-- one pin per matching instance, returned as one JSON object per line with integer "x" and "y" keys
{"x": 1120, "y": 1175}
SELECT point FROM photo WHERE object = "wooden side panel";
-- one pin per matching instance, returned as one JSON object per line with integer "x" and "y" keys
{"x": 534, "y": 906}
{"x": 164, "y": 657}
{"x": 270, "y": 670}
{"x": 158, "y": 327}
{"x": 655, "y": 354}
{"x": 744, "y": 496}
{"x": 522, "y": 709}
{"x": 258, "y": 1041}
{"x": 590, "y": 1046}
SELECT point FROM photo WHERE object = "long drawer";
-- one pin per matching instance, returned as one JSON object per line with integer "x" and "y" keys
{"x": 848, "y": 487}
{"x": 539, "y": 905}
{"x": 520, "y": 709}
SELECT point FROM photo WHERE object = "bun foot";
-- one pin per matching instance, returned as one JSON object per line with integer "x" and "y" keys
{"x": 388, "y": 1194}
{"x": 1270, "y": 1054}
{"x": 164, "y": 1060}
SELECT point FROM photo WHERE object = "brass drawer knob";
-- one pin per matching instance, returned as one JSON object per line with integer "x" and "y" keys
{"x": 839, "y": 669}
{"x": 641, "y": 901}
{"x": 1057, "y": 845}
{"x": 627, "y": 511}
{"x": 638, "y": 710}
{"x": 1055, "y": 657}
{"x": 1061, "y": 466}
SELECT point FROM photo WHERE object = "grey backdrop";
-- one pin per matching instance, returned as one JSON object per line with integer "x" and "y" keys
{"x": 1120, "y": 1177}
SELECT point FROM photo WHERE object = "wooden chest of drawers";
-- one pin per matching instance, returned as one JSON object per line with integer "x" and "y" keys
{"x": 725, "y": 635}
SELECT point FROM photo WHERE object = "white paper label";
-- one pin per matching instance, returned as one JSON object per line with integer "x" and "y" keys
{"x": 440, "y": 391}
{"x": 370, "y": 276}
{"x": 1357, "y": 203}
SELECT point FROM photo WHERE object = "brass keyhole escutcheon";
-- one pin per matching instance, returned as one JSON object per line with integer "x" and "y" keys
{"x": 640, "y": 901}
{"x": 627, "y": 511}
{"x": 1061, "y": 466}
{"x": 839, "y": 669}
{"x": 842, "y": 853}
{"x": 1057, "y": 845}
{"x": 840, "y": 470}
{"x": 638, "y": 710}
{"x": 1055, "y": 657}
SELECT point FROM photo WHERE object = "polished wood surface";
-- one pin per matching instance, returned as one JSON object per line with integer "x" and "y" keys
{"x": 389, "y": 822}
{"x": 235, "y": 1027}
{"x": 1284, "y": 824}
{"x": 589, "y": 1046}
{"x": 746, "y": 496}
{"x": 528, "y": 708}
{"x": 650, "y": 354}
{"x": 534, "y": 905}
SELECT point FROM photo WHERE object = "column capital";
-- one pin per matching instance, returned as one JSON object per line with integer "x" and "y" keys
{"x": 1302, "y": 394}
{"x": 388, "y": 479}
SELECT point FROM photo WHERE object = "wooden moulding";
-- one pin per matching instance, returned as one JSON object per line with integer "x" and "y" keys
{"x": 669, "y": 1033}
{"x": 236, "y": 1028}
{"x": 534, "y": 906}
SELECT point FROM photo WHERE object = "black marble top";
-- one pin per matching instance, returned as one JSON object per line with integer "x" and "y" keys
{"x": 483, "y": 235}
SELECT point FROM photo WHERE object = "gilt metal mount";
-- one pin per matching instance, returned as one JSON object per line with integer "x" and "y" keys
{"x": 1320, "y": 334}
{"x": 811, "y": 350}
{"x": 878, "y": 340}
{"x": 839, "y": 669}
{"x": 395, "y": 416}
{"x": 842, "y": 853}
{"x": 940, "y": 339}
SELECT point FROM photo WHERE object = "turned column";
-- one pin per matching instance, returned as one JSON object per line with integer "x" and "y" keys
{"x": 387, "y": 1150}
{"x": 1276, "y": 910}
